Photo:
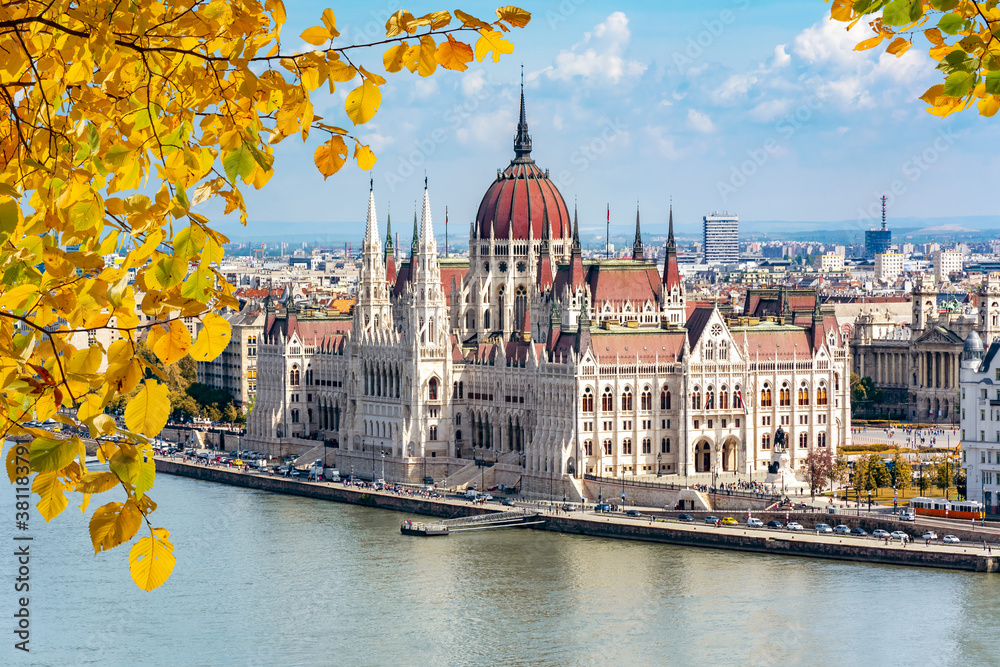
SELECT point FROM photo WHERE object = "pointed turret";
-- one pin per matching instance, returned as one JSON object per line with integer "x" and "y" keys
{"x": 371, "y": 228}
{"x": 390, "y": 254}
{"x": 415, "y": 243}
{"x": 522, "y": 140}
{"x": 671, "y": 274}
{"x": 637, "y": 243}
{"x": 576, "y": 257}
{"x": 427, "y": 242}
{"x": 543, "y": 277}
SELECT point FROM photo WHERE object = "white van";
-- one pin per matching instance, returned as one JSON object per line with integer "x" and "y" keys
{"x": 470, "y": 494}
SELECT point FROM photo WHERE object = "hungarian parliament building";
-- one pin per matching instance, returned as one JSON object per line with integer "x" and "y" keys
{"x": 543, "y": 366}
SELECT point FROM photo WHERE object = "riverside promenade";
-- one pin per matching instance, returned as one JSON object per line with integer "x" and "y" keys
{"x": 653, "y": 526}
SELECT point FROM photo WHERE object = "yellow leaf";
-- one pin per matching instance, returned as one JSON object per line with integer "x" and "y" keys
{"x": 104, "y": 425}
{"x": 86, "y": 361}
{"x": 866, "y": 44}
{"x": 148, "y": 411}
{"x": 374, "y": 78}
{"x": 842, "y": 10}
{"x": 341, "y": 72}
{"x": 470, "y": 21}
{"x": 330, "y": 21}
{"x": 421, "y": 56}
{"x": 399, "y": 22}
{"x": 12, "y": 464}
{"x": 50, "y": 455}
{"x": 519, "y": 18}
{"x": 934, "y": 36}
{"x": 898, "y": 47}
{"x": 989, "y": 105}
{"x": 436, "y": 20}
{"x": 214, "y": 335}
{"x": 316, "y": 35}
{"x": 114, "y": 524}
{"x": 51, "y": 499}
{"x": 933, "y": 93}
{"x": 392, "y": 59}
{"x": 125, "y": 463}
{"x": 170, "y": 343}
{"x": 366, "y": 159}
{"x": 151, "y": 560}
{"x": 97, "y": 482}
{"x": 940, "y": 52}
{"x": 492, "y": 41}
{"x": 452, "y": 54}
{"x": 147, "y": 475}
{"x": 362, "y": 103}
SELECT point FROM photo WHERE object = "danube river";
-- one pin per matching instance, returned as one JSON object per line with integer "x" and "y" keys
{"x": 263, "y": 579}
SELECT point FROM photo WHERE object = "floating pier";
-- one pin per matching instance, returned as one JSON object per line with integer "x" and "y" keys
{"x": 511, "y": 519}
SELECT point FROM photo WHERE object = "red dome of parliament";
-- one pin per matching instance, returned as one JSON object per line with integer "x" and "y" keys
{"x": 523, "y": 197}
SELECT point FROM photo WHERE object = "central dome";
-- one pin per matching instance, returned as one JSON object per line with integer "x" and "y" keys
{"x": 523, "y": 198}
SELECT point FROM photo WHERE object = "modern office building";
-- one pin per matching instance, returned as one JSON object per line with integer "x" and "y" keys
{"x": 721, "y": 237}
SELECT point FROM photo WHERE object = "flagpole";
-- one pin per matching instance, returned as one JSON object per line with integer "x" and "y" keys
{"x": 607, "y": 235}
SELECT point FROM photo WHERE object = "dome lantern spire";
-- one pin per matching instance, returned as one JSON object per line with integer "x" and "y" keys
{"x": 522, "y": 140}
{"x": 637, "y": 252}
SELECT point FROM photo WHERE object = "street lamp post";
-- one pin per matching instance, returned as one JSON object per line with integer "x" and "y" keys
{"x": 383, "y": 465}
{"x": 659, "y": 466}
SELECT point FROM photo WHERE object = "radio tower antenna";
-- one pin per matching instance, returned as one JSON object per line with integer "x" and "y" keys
{"x": 883, "y": 213}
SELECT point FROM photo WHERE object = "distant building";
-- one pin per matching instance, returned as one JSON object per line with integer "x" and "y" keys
{"x": 877, "y": 242}
{"x": 888, "y": 266}
{"x": 722, "y": 238}
{"x": 981, "y": 421}
{"x": 235, "y": 370}
{"x": 832, "y": 262}
{"x": 946, "y": 262}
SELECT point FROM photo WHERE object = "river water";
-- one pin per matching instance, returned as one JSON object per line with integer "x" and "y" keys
{"x": 264, "y": 579}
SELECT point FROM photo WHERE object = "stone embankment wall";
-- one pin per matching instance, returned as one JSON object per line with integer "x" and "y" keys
{"x": 777, "y": 544}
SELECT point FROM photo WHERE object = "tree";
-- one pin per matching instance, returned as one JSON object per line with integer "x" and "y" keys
{"x": 183, "y": 100}
{"x": 870, "y": 473}
{"x": 230, "y": 413}
{"x": 902, "y": 472}
{"x": 818, "y": 468}
{"x": 961, "y": 34}
{"x": 840, "y": 473}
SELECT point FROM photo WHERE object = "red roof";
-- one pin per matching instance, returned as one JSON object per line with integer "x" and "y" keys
{"x": 447, "y": 273}
{"x": 782, "y": 344}
{"x": 523, "y": 197}
{"x": 650, "y": 345}
{"x": 623, "y": 281}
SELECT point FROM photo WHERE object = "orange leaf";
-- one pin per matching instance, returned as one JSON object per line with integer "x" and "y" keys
{"x": 842, "y": 10}
{"x": 870, "y": 43}
{"x": 330, "y": 157}
{"x": 898, "y": 47}
{"x": 453, "y": 54}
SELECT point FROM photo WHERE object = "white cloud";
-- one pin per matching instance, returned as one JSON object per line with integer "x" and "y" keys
{"x": 700, "y": 122}
{"x": 781, "y": 58}
{"x": 663, "y": 142}
{"x": 770, "y": 110}
{"x": 558, "y": 122}
{"x": 424, "y": 89}
{"x": 735, "y": 87}
{"x": 473, "y": 81}
{"x": 600, "y": 55}
{"x": 482, "y": 129}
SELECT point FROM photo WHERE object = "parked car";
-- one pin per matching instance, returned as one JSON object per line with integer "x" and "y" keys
{"x": 841, "y": 530}
{"x": 687, "y": 518}
{"x": 633, "y": 513}
{"x": 793, "y": 525}
{"x": 950, "y": 539}
{"x": 823, "y": 528}
{"x": 754, "y": 522}
{"x": 603, "y": 507}
{"x": 712, "y": 520}
{"x": 859, "y": 532}
{"x": 508, "y": 502}
{"x": 774, "y": 523}
{"x": 898, "y": 535}
{"x": 730, "y": 521}
{"x": 880, "y": 534}
{"x": 929, "y": 535}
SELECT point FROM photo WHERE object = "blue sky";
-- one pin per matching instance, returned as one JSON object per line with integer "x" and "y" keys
{"x": 758, "y": 107}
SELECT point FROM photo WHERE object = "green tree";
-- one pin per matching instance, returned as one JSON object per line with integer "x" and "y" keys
{"x": 902, "y": 472}
{"x": 840, "y": 473}
{"x": 230, "y": 413}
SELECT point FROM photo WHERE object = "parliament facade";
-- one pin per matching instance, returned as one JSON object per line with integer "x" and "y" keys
{"x": 542, "y": 365}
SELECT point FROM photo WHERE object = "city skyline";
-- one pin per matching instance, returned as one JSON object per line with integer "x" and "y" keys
{"x": 767, "y": 120}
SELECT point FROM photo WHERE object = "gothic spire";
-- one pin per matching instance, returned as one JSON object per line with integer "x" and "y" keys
{"x": 576, "y": 229}
{"x": 426, "y": 225}
{"x": 522, "y": 140}
{"x": 671, "y": 272}
{"x": 670, "y": 233}
{"x": 415, "y": 243}
{"x": 637, "y": 244}
{"x": 371, "y": 229}
{"x": 389, "y": 249}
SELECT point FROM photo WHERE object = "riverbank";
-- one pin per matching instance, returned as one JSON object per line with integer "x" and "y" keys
{"x": 738, "y": 538}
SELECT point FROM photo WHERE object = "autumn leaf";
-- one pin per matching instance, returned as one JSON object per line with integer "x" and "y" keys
{"x": 362, "y": 103}
{"x": 316, "y": 35}
{"x": 148, "y": 411}
{"x": 515, "y": 16}
{"x": 453, "y": 54}
{"x": 151, "y": 560}
{"x": 898, "y": 47}
{"x": 493, "y": 42}
{"x": 330, "y": 157}
{"x": 213, "y": 337}
{"x": 51, "y": 499}
{"x": 366, "y": 159}
{"x": 470, "y": 21}
{"x": 50, "y": 454}
{"x": 393, "y": 57}
{"x": 170, "y": 343}
{"x": 114, "y": 524}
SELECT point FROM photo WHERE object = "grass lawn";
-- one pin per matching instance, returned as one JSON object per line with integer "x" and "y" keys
{"x": 884, "y": 496}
